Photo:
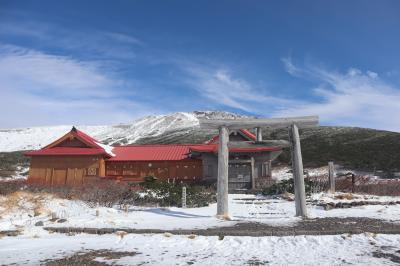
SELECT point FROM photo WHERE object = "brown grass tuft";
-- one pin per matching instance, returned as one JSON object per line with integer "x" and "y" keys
{"x": 121, "y": 234}
{"x": 25, "y": 201}
{"x": 348, "y": 196}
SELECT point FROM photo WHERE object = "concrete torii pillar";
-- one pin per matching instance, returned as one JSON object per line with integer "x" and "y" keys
{"x": 297, "y": 168}
{"x": 225, "y": 125}
{"x": 258, "y": 134}
{"x": 223, "y": 166}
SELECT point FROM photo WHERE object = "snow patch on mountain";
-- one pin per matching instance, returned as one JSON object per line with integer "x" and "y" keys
{"x": 150, "y": 126}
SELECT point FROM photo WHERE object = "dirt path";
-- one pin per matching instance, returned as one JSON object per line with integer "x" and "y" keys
{"x": 319, "y": 226}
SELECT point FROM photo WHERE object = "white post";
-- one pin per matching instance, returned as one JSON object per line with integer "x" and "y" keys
{"x": 331, "y": 175}
{"x": 223, "y": 161}
{"x": 259, "y": 133}
{"x": 297, "y": 166}
{"x": 183, "y": 197}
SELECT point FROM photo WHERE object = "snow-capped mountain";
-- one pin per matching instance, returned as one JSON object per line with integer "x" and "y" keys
{"x": 176, "y": 127}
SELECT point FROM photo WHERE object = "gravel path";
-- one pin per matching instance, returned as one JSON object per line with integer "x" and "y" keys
{"x": 319, "y": 226}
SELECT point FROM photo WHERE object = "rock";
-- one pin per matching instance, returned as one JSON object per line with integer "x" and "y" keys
{"x": 61, "y": 221}
{"x": 328, "y": 207}
{"x": 288, "y": 196}
{"x": 40, "y": 223}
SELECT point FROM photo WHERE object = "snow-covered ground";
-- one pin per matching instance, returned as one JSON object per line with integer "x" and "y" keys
{"x": 20, "y": 211}
{"x": 200, "y": 250}
{"x": 23, "y": 210}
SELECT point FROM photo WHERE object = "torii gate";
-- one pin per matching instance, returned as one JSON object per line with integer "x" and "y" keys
{"x": 292, "y": 123}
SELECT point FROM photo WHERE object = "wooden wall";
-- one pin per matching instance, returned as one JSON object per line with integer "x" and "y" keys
{"x": 64, "y": 170}
{"x": 186, "y": 170}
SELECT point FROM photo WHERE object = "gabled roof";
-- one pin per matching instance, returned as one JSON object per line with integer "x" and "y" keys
{"x": 88, "y": 140}
{"x": 244, "y": 132}
{"x": 67, "y": 151}
{"x": 54, "y": 148}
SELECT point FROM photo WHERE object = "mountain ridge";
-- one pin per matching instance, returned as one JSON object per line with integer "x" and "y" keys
{"x": 352, "y": 147}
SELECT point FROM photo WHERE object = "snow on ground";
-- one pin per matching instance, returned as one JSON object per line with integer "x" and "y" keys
{"x": 200, "y": 250}
{"x": 284, "y": 172}
{"x": 23, "y": 210}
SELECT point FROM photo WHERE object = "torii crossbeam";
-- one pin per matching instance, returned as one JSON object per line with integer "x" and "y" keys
{"x": 292, "y": 123}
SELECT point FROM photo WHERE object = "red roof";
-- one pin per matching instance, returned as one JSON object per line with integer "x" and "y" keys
{"x": 67, "y": 151}
{"x": 245, "y": 132}
{"x": 91, "y": 142}
{"x": 94, "y": 148}
{"x": 214, "y": 148}
{"x": 168, "y": 152}
{"x": 171, "y": 152}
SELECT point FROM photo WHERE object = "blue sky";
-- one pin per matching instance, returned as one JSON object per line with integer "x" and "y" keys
{"x": 103, "y": 62}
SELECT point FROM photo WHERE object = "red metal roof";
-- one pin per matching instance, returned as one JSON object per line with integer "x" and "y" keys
{"x": 214, "y": 148}
{"x": 53, "y": 149}
{"x": 167, "y": 152}
{"x": 245, "y": 132}
{"x": 67, "y": 151}
{"x": 171, "y": 152}
{"x": 248, "y": 134}
{"x": 91, "y": 142}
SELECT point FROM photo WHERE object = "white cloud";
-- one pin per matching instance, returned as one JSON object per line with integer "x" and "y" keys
{"x": 356, "y": 98}
{"x": 38, "y": 88}
{"x": 89, "y": 42}
{"x": 219, "y": 85}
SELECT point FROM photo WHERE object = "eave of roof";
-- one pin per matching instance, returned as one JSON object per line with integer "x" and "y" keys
{"x": 66, "y": 151}
{"x": 214, "y": 148}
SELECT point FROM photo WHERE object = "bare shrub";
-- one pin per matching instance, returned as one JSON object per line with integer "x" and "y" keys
{"x": 11, "y": 186}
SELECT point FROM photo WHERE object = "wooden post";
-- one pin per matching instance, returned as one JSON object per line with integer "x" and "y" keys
{"x": 223, "y": 161}
{"x": 102, "y": 167}
{"x": 269, "y": 171}
{"x": 183, "y": 197}
{"x": 253, "y": 174}
{"x": 297, "y": 166}
{"x": 259, "y": 133}
{"x": 331, "y": 175}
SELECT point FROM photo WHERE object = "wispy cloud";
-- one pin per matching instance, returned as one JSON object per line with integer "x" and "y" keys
{"x": 354, "y": 98}
{"x": 90, "y": 42}
{"x": 39, "y": 88}
{"x": 222, "y": 87}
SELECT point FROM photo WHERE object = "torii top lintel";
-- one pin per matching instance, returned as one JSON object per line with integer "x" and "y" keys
{"x": 284, "y": 122}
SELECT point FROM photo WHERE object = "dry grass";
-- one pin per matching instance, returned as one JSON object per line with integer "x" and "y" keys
{"x": 121, "y": 234}
{"x": 348, "y": 196}
{"x": 26, "y": 201}
{"x": 192, "y": 236}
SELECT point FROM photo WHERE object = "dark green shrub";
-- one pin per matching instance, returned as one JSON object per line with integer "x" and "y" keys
{"x": 286, "y": 186}
{"x": 170, "y": 194}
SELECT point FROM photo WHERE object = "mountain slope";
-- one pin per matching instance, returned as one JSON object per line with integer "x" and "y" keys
{"x": 173, "y": 127}
{"x": 355, "y": 148}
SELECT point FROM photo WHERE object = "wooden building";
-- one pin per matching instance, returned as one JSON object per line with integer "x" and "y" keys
{"x": 76, "y": 159}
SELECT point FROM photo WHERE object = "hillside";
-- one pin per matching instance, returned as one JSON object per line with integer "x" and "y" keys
{"x": 355, "y": 148}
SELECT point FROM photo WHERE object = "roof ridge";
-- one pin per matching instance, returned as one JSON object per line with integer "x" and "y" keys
{"x": 159, "y": 145}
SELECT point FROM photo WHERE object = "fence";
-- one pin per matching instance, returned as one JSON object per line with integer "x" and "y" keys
{"x": 356, "y": 184}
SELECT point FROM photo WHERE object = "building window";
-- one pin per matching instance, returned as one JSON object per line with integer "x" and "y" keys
{"x": 92, "y": 171}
